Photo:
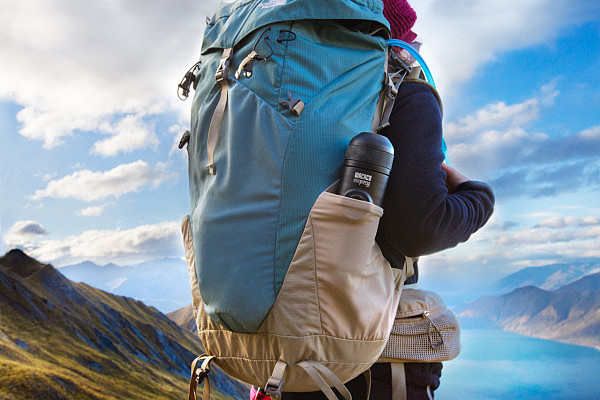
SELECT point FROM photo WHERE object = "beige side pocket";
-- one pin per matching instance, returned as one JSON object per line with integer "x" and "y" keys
{"x": 357, "y": 291}
{"x": 338, "y": 283}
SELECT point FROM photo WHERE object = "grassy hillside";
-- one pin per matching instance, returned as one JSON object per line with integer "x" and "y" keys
{"x": 61, "y": 340}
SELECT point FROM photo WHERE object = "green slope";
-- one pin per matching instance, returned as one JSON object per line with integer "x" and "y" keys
{"x": 65, "y": 340}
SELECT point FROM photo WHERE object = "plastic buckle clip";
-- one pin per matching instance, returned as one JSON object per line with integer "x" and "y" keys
{"x": 223, "y": 69}
{"x": 201, "y": 374}
{"x": 392, "y": 90}
{"x": 273, "y": 389}
{"x": 212, "y": 168}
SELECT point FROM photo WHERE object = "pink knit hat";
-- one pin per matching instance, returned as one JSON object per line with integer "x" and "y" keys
{"x": 401, "y": 17}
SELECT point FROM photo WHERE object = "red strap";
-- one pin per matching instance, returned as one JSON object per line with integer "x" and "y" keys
{"x": 257, "y": 395}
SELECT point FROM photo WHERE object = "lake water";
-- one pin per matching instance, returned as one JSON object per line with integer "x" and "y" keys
{"x": 502, "y": 365}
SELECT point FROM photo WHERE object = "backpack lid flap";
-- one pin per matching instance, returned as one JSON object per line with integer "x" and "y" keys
{"x": 234, "y": 21}
{"x": 415, "y": 301}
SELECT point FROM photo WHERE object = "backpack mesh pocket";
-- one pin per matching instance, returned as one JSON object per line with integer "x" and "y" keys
{"x": 425, "y": 330}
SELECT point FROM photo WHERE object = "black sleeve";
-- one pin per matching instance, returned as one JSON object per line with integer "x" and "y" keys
{"x": 420, "y": 216}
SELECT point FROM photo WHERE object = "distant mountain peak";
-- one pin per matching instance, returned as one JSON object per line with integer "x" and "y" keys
{"x": 20, "y": 263}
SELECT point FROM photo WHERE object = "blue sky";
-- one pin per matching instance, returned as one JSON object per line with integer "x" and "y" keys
{"x": 89, "y": 119}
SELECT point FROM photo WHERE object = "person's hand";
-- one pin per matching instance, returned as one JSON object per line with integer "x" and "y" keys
{"x": 453, "y": 177}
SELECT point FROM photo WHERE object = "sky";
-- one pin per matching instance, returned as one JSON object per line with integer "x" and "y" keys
{"x": 89, "y": 121}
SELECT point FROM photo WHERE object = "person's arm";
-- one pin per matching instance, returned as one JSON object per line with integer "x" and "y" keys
{"x": 428, "y": 206}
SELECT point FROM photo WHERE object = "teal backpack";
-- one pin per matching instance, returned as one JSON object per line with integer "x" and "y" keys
{"x": 290, "y": 290}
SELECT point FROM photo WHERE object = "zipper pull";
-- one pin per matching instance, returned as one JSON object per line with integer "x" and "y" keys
{"x": 245, "y": 68}
{"x": 293, "y": 104}
{"x": 429, "y": 333}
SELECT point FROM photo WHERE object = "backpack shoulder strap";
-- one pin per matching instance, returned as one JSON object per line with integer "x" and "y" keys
{"x": 394, "y": 73}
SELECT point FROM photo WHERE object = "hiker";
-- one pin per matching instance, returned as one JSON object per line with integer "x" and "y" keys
{"x": 289, "y": 290}
{"x": 429, "y": 205}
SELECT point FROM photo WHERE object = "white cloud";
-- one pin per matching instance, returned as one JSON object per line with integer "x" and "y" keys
{"x": 459, "y": 36}
{"x": 565, "y": 221}
{"x": 48, "y": 177}
{"x": 492, "y": 253}
{"x": 589, "y": 220}
{"x": 493, "y": 115}
{"x": 74, "y": 65}
{"x": 591, "y": 133}
{"x": 90, "y": 211}
{"x": 540, "y": 235}
{"x": 129, "y": 134}
{"x": 563, "y": 236}
{"x": 493, "y": 137}
{"x": 494, "y": 144}
{"x": 501, "y": 116}
{"x": 23, "y": 232}
{"x": 495, "y": 149}
{"x": 535, "y": 263}
{"x": 88, "y": 185}
{"x": 138, "y": 244}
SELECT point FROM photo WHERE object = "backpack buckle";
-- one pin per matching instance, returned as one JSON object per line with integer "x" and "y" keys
{"x": 273, "y": 389}
{"x": 212, "y": 168}
{"x": 275, "y": 382}
{"x": 223, "y": 69}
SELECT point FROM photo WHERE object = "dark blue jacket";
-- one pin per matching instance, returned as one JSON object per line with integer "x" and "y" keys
{"x": 420, "y": 216}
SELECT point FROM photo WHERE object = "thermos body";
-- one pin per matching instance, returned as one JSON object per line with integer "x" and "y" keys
{"x": 367, "y": 166}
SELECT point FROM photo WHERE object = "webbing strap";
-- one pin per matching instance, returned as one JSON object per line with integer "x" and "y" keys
{"x": 389, "y": 97}
{"x": 378, "y": 113}
{"x": 379, "y": 108}
{"x": 393, "y": 77}
{"x": 198, "y": 375}
{"x": 409, "y": 266}
{"x": 398, "y": 381}
{"x": 367, "y": 376}
{"x": 316, "y": 371}
{"x": 219, "y": 113}
{"x": 275, "y": 382}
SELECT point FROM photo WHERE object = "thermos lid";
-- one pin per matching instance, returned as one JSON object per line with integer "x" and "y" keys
{"x": 374, "y": 140}
{"x": 371, "y": 148}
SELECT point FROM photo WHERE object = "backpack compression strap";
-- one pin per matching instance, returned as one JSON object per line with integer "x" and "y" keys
{"x": 219, "y": 113}
{"x": 389, "y": 91}
{"x": 320, "y": 375}
{"x": 398, "y": 381}
{"x": 198, "y": 375}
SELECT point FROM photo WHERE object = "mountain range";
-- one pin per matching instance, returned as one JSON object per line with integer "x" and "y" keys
{"x": 161, "y": 283}
{"x": 164, "y": 283}
{"x": 66, "y": 340}
{"x": 548, "y": 277}
{"x": 570, "y": 313}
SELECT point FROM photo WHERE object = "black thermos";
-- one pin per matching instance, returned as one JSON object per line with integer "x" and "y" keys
{"x": 367, "y": 167}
